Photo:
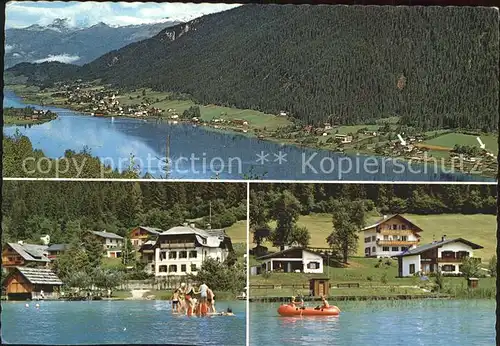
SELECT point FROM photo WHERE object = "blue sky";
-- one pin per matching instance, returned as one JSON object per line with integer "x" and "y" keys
{"x": 26, "y": 13}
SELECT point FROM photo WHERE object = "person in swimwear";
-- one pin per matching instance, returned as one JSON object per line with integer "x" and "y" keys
{"x": 175, "y": 301}
{"x": 190, "y": 303}
{"x": 324, "y": 304}
{"x": 182, "y": 298}
{"x": 203, "y": 292}
{"x": 211, "y": 300}
{"x": 228, "y": 312}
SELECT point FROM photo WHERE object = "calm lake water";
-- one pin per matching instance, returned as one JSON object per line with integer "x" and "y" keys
{"x": 408, "y": 323}
{"x": 198, "y": 153}
{"x": 126, "y": 322}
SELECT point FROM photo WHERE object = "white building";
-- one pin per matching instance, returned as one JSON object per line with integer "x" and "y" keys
{"x": 446, "y": 256}
{"x": 389, "y": 236}
{"x": 295, "y": 259}
{"x": 111, "y": 242}
{"x": 181, "y": 250}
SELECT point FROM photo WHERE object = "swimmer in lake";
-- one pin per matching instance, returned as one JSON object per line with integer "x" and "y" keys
{"x": 228, "y": 312}
{"x": 211, "y": 300}
{"x": 175, "y": 301}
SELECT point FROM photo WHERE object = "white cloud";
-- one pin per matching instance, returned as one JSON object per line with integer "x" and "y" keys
{"x": 22, "y": 14}
{"x": 64, "y": 58}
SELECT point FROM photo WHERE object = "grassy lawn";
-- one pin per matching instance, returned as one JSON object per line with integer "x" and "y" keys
{"x": 374, "y": 276}
{"x": 449, "y": 140}
{"x": 238, "y": 232}
{"x": 480, "y": 229}
{"x": 256, "y": 119}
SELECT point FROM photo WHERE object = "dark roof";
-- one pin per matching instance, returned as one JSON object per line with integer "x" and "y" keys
{"x": 58, "y": 247}
{"x": 387, "y": 218}
{"x": 152, "y": 230}
{"x": 108, "y": 235}
{"x": 39, "y": 276}
{"x": 279, "y": 253}
{"x": 31, "y": 252}
{"x": 423, "y": 248}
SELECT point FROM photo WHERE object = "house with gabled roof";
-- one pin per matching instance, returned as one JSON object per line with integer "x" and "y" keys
{"x": 181, "y": 250}
{"x": 390, "y": 235}
{"x": 21, "y": 254}
{"x": 141, "y": 234}
{"x": 55, "y": 250}
{"x": 111, "y": 242}
{"x": 24, "y": 283}
{"x": 293, "y": 259}
{"x": 445, "y": 256}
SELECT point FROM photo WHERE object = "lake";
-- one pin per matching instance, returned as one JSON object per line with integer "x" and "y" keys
{"x": 126, "y": 322}
{"x": 200, "y": 153}
{"x": 411, "y": 322}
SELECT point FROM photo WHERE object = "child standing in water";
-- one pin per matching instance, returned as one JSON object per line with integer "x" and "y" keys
{"x": 175, "y": 301}
{"x": 211, "y": 300}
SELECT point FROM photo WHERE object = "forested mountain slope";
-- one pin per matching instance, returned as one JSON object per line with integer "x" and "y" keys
{"x": 434, "y": 67}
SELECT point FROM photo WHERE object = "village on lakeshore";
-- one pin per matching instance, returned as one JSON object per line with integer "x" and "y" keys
{"x": 166, "y": 257}
{"x": 463, "y": 151}
{"x": 392, "y": 257}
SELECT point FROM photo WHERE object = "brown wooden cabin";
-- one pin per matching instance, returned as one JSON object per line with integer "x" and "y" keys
{"x": 32, "y": 283}
{"x": 141, "y": 234}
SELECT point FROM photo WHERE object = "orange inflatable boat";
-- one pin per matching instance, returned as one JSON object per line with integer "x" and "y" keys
{"x": 290, "y": 310}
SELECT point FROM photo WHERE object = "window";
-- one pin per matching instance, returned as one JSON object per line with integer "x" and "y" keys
{"x": 385, "y": 248}
{"x": 136, "y": 242}
{"x": 183, "y": 268}
{"x": 448, "y": 268}
{"x": 163, "y": 269}
{"x": 412, "y": 268}
{"x": 404, "y": 248}
{"x": 172, "y": 255}
{"x": 172, "y": 268}
{"x": 193, "y": 267}
{"x": 183, "y": 254}
{"x": 367, "y": 240}
{"x": 367, "y": 251}
{"x": 403, "y": 227}
{"x": 395, "y": 248}
{"x": 374, "y": 238}
{"x": 193, "y": 254}
{"x": 394, "y": 226}
{"x": 386, "y": 237}
{"x": 313, "y": 265}
{"x": 404, "y": 238}
{"x": 163, "y": 255}
{"x": 374, "y": 249}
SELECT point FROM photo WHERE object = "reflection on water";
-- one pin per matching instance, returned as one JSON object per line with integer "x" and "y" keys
{"x": 198, "y": 153}
{"x": 469, "y": 322}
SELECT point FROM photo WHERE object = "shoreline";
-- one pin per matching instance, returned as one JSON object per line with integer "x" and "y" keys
{"x": 394, "y": 297}
{"x": 251, "y": 134}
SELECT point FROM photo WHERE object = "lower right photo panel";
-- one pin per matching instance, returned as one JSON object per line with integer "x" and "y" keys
{"x": 378, "y": 264}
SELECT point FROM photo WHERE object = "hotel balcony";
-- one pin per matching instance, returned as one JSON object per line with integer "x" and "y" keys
{"x": 396, "y": 232}
{"x": 456, "y": 259}
{"x": 176, "y": 245}
{"x": 382, "y": 242}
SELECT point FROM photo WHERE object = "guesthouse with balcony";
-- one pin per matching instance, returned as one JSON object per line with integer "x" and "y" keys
{"x": 141, "y": 234}
{"x": 21, "y": 254}
{"x": 445, "y": 256}
{"x": 390, "y": 235}
{"x": 181, "y": 250}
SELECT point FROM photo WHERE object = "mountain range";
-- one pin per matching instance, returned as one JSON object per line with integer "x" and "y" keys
{"x": 60, "y": 42}
{"x": 434, "y": 67}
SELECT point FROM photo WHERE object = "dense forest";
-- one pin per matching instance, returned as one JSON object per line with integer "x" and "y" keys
{"x": 64, "y": 210}
{"x": 350, "y": 204}
{"x": 433, "y": 67}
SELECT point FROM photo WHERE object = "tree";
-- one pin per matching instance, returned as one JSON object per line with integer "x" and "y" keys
{"x": 260, "y": 234}
{"x": 128, "y": 256}
{"x": 93, "y": 248}
{"x": 107, "y": 279}
{"x": 470, "y": 268}
{"x": 220, "y": 276}
{"x": 492, "y": 266}
{"x": 348, "y": 219}
{"x": 286, "y": 211}
{"x": 79, "y": 280}
{"x": 71, "y": 260}
{"x": 300, "y": 235}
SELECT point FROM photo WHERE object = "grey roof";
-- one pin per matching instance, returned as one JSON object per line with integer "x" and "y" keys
{"x": 40, "y": 276}
{"x": 31, "y": 252}
{"x": 152, "y": 230}
{"x": 423, "y": 248}
{"x": 108, "y": 235}
{"x": 386, "y": 218}
{"x": 208, "y": 238}
{"x": 279, "y": 253}
{"x": 58, "y": 247}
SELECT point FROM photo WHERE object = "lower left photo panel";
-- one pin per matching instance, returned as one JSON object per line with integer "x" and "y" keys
{"x": 124, "y": 262}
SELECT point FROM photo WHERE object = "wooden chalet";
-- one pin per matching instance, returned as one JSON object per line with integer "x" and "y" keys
{"x": 32, "y": 283}
{"x": 20, "y": 254}
{"x": 141, "y": 234}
